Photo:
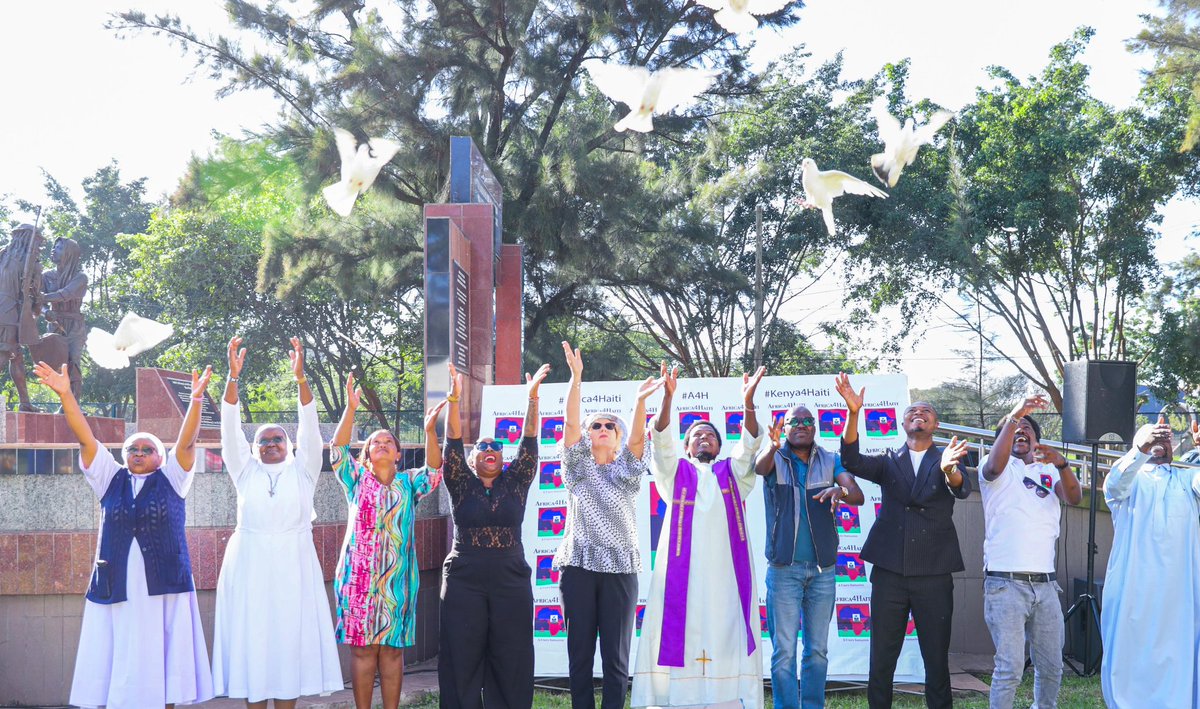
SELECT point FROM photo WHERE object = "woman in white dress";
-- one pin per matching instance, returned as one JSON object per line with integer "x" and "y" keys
{"x": 141, "y": 644}
{"x": 273, "y": 635}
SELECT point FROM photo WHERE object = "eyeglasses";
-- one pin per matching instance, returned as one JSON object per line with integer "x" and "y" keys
{"x": 1037, "y": 489}
{"x": 489, "y": 446}
{"x": 141, "y": 450}
{"x": 272, "y": 441}
{"x": 807, "y": 421}
{"x": 597, "y": 425}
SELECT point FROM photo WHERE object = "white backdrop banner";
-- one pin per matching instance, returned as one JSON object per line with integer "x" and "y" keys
{"x": 719, "y": 401}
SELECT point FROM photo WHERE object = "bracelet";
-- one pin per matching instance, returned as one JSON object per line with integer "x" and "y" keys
{"x": 452, "y": 399}
{"x": 198, "y": 398}
{"x": 1064, "y": 466}
{"x": 232, "y": 380}
{"x": 301, "y": 380}
{"x": 533, "y": 398}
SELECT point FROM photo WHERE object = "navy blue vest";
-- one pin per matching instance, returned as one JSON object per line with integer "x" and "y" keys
{"x": 780, "y": 501}
{"x": 154, "y": 520}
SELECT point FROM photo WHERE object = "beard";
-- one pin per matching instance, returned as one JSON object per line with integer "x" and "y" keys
{"x": 705, "y": 457}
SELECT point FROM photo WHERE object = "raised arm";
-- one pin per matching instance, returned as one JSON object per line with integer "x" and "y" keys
{"x": 572, "y": 417}
{"x": 345, "y": 427}
{"x": 185, "y": 445}
{"x": 871, "y": 468}
{"x": 60, "y": 384}
{"x": 749, "y": 387}
{"x": 764, "y": 464}
{"x": 433, "y": 454}
{"x": 308, "y": 427}
{"x": 453, "y": 415}
{"x": 530, "y": 429}
{"x": 637, "y": 426}
{"x": 952, "y": 468}
{"x": 997, "y": 459}
{"x": 670, "y": 379}
{"x": 235, "y": 449}
{"x": 1119, "y": 481}
{"x": 664, "y": 441}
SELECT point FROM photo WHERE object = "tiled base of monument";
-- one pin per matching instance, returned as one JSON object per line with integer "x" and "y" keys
{"x": 27, "y": 427}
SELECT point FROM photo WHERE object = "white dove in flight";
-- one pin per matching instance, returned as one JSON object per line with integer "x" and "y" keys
{"x": 646, "y": 92}
{"x": 361, "y": 163}
{"x": 737, "y": 16}
{"x": 134, "y": 335}
{"x": 901, "y": 143}
{"x": 822, "y": 186}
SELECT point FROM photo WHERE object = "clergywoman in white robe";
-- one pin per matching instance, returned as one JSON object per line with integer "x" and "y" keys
{"x": 1151, "y": 617}
{"x": 716, "y": 667}
{"x": 273, "y": 635}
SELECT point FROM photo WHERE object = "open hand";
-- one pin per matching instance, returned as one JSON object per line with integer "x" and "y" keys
{"x": 1152, "y": 433}
{"x": 58, "y": 380}
{"x": 456, "y": 384}
{"x": 200, "y": 382}
{"x": 1049, "y": 454}
{"x": 670, "y": 379}
{"x": 236, "y": 357}
{"x": 1195, "y": 431}
{"x": 1037, "y": 402}
{"x": 774, "y": 431}
{"x": 854, "y": 401}
{"x": 952, "y": 454}
{"x": 353, "y": 393}
{"x": 648, "y": 387}
{"x": 431, "y": 417}
{"x": 574, "y": 361}
{"x": 832, "y": 495}
{"x": 297, "y": 358}
{"x": 533, "y": 382}
{"x": 750, "y": 386}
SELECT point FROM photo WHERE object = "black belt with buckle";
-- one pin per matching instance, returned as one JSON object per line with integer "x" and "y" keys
{"x": 1019, "y": 576}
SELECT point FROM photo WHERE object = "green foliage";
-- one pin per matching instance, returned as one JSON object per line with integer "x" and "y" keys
{"x": 1174, "y": 39}
{"x": 1167, "y": 340}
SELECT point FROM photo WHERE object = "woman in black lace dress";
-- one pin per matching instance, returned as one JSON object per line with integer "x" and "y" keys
{"x": 486, "y": 653}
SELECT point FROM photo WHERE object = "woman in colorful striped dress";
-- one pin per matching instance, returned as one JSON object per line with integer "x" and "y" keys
{"x": 377, "y": 575}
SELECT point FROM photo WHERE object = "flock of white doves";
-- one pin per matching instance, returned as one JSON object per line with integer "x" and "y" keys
{"x": 646, "y": 93}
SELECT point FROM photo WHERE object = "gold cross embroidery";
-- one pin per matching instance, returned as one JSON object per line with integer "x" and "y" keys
{"x": 681, "y": 500}
{"x": 704, "y": 659}
{"x": 737, "y": 513}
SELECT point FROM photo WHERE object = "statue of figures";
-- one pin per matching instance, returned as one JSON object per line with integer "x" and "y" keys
{"x": 20, "y": 288}
{"x": 62, "y": 291}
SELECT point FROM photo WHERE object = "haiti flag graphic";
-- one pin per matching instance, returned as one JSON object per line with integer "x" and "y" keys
{"x": 850, "y": 568}
{"x": 548, "y": 622}
{"x": 551, "y": 521}
{"x": 832, "y": 422}
{"x": 550, "y": 475}
{"x": 881, "y": 422}
{"x": 764, "y": 628}
{"x": 733, "y": 425}
{"x": 546, "y": 575}
{"x": 508, "y": 430}
{"x": 552, "y": 430}
{"x": 910, "y": 631}
{"x": 853, "y": 620}
{"x": 658, "y": 515}
{"x": 1048, "y": 482}
{"x": 687, "y": 418}
{"x": 846, "y": 517}
{"x": 641, "y": 613}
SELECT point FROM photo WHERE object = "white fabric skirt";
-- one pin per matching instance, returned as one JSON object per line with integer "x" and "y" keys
{"x": 273, "y": 631}
{"x": 147, "y": 651}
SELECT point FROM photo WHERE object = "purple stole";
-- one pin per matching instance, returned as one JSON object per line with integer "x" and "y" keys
{"x": 670, "y": 650}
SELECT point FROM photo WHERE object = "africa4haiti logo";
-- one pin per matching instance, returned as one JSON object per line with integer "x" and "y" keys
{"x": 548, "y": 622}
{"x": 551, "y": 521}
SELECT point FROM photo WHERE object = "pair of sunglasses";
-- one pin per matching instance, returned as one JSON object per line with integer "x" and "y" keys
{"x": 271, "y": 441}
{"x": 489, "y": 446}
{"x": 597, "y": 425}
{"x": 807, "y": 421}
{"x": 141, "y": 450}
{"x": 1037, "y": 489}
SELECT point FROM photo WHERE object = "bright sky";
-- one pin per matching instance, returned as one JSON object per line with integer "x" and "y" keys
{"x": 85, "y": 98}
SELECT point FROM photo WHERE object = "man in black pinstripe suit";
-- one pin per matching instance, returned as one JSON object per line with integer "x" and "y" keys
{"x": 913, "y": 545}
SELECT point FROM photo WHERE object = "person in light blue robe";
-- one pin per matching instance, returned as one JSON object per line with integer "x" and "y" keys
{"x": 1150, "y": 622}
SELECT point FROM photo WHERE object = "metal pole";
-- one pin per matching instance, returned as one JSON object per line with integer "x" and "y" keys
{"x": 758, "y": 287}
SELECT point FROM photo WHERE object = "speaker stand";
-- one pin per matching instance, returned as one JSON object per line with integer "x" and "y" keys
{"x": 1086, "y": 604}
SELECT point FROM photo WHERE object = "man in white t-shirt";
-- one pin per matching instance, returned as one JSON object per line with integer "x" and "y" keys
{"x": 1022, "y": 482}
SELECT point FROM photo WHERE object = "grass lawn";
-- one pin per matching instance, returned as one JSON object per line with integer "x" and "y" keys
{"x": 1076, "y": 693}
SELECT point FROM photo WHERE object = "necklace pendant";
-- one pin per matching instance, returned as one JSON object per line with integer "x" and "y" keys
{"x": 271, "y": 493}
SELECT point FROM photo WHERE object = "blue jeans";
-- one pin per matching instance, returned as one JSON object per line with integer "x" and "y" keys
{"x": 1017, "y": 612}
{"x": 798, "y": 591}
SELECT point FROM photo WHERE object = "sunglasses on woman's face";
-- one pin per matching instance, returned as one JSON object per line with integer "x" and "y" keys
{"x": 489, "y": 446}
{"x": 807, "y": 421}
{"x": 597, "y": 425}
{"x": 271, "y": 441}
{"x": 1037, "y": 489}
{"x": 141, "y": 450}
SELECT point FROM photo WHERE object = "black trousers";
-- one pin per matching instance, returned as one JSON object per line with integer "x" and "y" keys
{"x": 596, "y": 603}
{"x": 931, "y": 600}
{"x": 486, "y": 653}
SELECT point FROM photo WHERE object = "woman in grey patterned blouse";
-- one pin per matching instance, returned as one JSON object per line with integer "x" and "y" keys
{"x": 602, "y": 470}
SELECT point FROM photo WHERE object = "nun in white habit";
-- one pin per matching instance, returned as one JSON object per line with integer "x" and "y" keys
{"x": 273, "y": 635}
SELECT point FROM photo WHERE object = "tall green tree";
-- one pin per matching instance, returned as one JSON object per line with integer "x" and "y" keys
{"x": 506, "y": 74}
{"x": 1174, "y": 39}
{"x": 1166, "y": 339}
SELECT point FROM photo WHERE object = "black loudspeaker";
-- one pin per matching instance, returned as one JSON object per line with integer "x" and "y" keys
{"x": 1099, "y": 401}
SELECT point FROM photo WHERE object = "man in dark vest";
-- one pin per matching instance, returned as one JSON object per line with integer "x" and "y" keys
{"x": 912, "y": 546}
{"x": 803, "y": 486}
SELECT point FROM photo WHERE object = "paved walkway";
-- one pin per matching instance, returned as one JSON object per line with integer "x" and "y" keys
{"x": 420, "y": 679}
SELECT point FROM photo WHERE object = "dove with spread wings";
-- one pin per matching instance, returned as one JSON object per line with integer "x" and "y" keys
{"x": 361, "y": 163}
{"x": 738, "y": 16}
{"x": 901, "y": 143}
{"x": 648, "y": 93}
{"x": 133, "y": 336}
{"x": 821, "y": 187}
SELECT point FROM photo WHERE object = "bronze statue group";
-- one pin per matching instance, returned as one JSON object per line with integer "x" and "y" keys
{"x": 142, "y": 645}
